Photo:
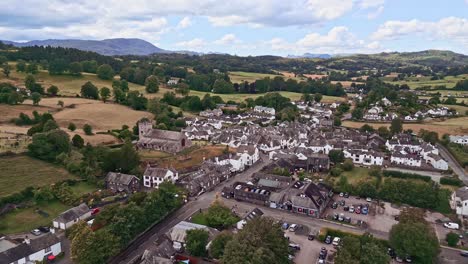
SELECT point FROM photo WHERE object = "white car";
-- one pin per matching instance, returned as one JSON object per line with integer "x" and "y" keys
{"x": 351, "y": 209}
{"x": 292, "y": 227}
{"x": 369, "y": 199}
{"x": 336, "y": 241}
{"x": 451, "y": 225}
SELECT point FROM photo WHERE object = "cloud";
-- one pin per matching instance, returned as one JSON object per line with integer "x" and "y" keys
{"x": 447, "y": 29}
{"x": 376, "y": 13}
{"x": 184, "y": 23}
{"x": 371, "y": 3}
{"x": 194, "y": 44}
{"x": 337, "y": 40}
{"x": 227, "y": 39}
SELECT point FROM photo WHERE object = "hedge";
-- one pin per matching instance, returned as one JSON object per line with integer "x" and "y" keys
{"x": 451, "y": 181}
{"x": 404, "y": 175}
{"x": 324, "y": 232}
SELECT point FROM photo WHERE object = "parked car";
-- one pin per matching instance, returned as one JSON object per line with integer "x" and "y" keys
{"x": 408, "y": 259}
{"x": 44, "y": 229}
{"x": 335, "y": 216}
{"x": 285, "y": 226}
{"x": 334, "y": 205}
{"x": 341, "y": 218}
{"x": 365, "y": 211}
{"x": 323, "y": 253}
{"x": 358, "y": 210}
{"x": 464, "y": 253}
{"x": 292, "y": 228}
{"x": 399, "y": 259}
{"x": 36, "y": 232}
{"x": 95, "y": 211}
{"x": 351, "y": 209}
{"x": 347, "y": 219}
{"x": 294, "y": 246}
{"x": 451, "y": 225}
{"x": 328, "y": 240}
{"x": 346, "y": 195}
{"x": 312, "y": 235}
{"x": 368, "y": 199}
{"x": 346, "y": 208}
{"x": 336, "y": 241}
{"x": 391, "y": 252}
{"x": 342, "y": 202}
{"x": 341, "y": 194}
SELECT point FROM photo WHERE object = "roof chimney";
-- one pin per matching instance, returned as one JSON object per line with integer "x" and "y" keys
{"x": 27, "y": 240}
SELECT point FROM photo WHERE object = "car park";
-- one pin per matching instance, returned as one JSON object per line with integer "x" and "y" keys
{"x": 328, "y": 240}
{"x": 451, "y": 225}
{"x": 36, "y": 232}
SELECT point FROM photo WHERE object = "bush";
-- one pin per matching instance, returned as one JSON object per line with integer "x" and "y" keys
{"x": 403, "y": 175}
{"x": 451, "y": 181}
{"x": 335, "y": 172}
{"x": 347, "y": 165}
{"x": 452, "y": 239}
{"x": 88, "y": 129}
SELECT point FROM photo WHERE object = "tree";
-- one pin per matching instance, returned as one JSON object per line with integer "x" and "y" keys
{"x": 105, "y": 93}
{"x": 223, "y": 87}
{"x": 89, "y": 90}
{"x": 125, "y": 159}
{"x": 50, "y": 125}
{"x": 219, "y": 244}
{"x": 44, "y": 194}
{"x": 48, "y": 145}
{"x": 373, "y": 254}
{"x": 105, "y": 72}
{"x": 318, "y": 97}
{"x": 396, "y": 126}
{"x": 415, "y": 239}
{"x": 366, "y": 128}
{"x": 53, "y": 90}
{"x": 32, "y": 68}
{"x": 21, "y": 66}
{"x": 357, "y": 113}
{"x": 36, "y": 98}
{"x": 71, "y": 127}
{"x": 336, "y": 121}
{"x": 75, "y": 68}
{"x": 29, "y": 82}
{"x": 183, "y": 89}
{"x": 452, "y": 239}
{"x": 197, "y": 239}
{"x": 347, "y": 165}
{"x": 88, "y": 129}
{"x": 219, "y": 216}
{"x": 336, "y": 155}
{"x": 6, "y": 70}
{"x": 152, "y": 84}
{"x": 57, "y": 66}
{"x": 77, "y": 141}
{"x": 383, "y": 132}
{"x": 260, "y": 241}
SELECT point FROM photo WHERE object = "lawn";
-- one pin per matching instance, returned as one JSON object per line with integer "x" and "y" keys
{"x": 238, "y": 77}
{"x": 152, "y": 154}
{"x": 241, "y": 97}
{"x": 415, "y": 82}
{"x": 82, "y": 188}
{"x": 192, "y": 157}
{"x": 460, "y": 152}
{"x": 23, "y": 220}
{"x": 19, "y": 172}
{"x": 358, "y": 175}
{"x": 199, "y": 218}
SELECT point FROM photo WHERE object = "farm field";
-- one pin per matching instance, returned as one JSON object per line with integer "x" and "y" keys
{"x": 415, "y": 82}
{"x": 31, "y": 172}
{"x": 241, "y": 97}
{"x": 452, "y": 126}
{"x": 238, "y": 77}
{"x": 13, "y": 142}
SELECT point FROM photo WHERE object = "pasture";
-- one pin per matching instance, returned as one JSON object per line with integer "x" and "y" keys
{"x": 416, "y": 82}
{"x": 19, "y": 172}
{"x": 450, "y": 126}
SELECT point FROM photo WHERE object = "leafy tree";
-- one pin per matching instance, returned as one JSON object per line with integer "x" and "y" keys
{"x": 396, "y": 126}
{"x": 336, "y": 121}
{"x": 6, "y": 69}
{"x": 89, "y": 90}
{"x": 357, "y": 113}
{"x": 89, "y": 66}
{"x": 197, "y": 239}
{"x": 366, "y": 128}
{"x": 53, "y": 90}
{"x": 75, "y": 68}
{"x": 219, "y": 243}
{"x": 119, "y": 95}
{"x": 373, "y": 254}
{"x": 347, "y": 165}
{"x": 416, "y": 239}
{"x": 30, "y": 82}
{"x": 36, "y": 98}
{"x": 384, "y": 132}
{"x": 318, "y": 97}
{"x": 183, "y": 89}
{"x": 220, "y": 216}
{"x": 48, "y": 145}
{"x": 452, "y": 239}
{"x": 336, "y": 156}
{"x": 125, "y": 159}
{"x": 260, "y": 241}
{"x": 221, "y": 86}
{"x": 77, "y": 141}
{"x": 105, "y": 93}
{"x": 105, "y": 72}
{"x": 32, "y": 68}
{"x": 88, "y": 129}
{"x": 50, "y": 125}
{"x": 152, "y": 84}
{"x": 44, "y": 194}
{"x": 21, "y": 66}
{"x": 71, "y": 127}
{"x": 57, "y": 66}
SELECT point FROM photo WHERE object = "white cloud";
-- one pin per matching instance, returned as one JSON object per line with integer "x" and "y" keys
{"x": 194, "y": 44}
{"x": 371, "y": 3}
{"x": 227, "y": 39}
{"x": 184, "y": 23}
{"x": 448, "y": 29}
{"x": 376, "y": 13}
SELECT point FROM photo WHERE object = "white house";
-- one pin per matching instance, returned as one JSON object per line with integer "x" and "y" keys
{"x": 173, "y": 81}
{"x": 407, "y": 160}
{"x": 368, "y": 158}
{"x": 463, "y": 140}
{"x": 385, "y": 102}
{"x": 262, "y": 109}
{"x": 375, "y": 110}
{"x": 72, "y": 216}
{"x": 45, "y": 247}
{"x": 436, "y": 161}
{"x": 459, "y": 201}
{"x": 154, "y": 176}
{"x": 246, "y": 156}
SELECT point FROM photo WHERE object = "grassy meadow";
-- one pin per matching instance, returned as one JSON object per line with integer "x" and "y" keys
{"x": 416, "y": 82}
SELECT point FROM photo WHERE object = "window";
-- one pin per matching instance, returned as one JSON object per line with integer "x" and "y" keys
{"x": 47, "y": 249}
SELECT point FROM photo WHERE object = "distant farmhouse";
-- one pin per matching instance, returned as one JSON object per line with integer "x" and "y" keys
{"x": 120, "y": 182}
{"x": 163, "y": 140}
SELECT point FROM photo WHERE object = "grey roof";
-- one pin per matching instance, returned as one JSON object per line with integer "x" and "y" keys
{"x": 73, "y": 213}
{"x": 255, "y": 213}
{"x": 164, "y": 134}
{"x": 116, "y": 177}
{"x": 24, "y": 250}
{"x": 462, "y": 193}
{"x": 156, "y": 172}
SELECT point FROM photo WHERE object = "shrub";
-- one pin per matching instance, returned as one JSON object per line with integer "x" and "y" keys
{"x": 452, "y": 239}
{"x": 403, "y": 175}
{"x": 88, "y": 129}
{"x": 335, "y": 172}
{"x": 451, "y": 181}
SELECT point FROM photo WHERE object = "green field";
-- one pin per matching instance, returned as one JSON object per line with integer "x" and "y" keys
{"x": 357, "y": 175}
{"x": 416, "y": 82}
{"x": 19, "y": 172}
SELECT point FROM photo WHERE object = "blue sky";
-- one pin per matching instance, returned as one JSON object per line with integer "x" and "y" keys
{"x": 247, "y": 27}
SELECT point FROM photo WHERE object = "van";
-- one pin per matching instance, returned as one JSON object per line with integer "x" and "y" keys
{"x": 451, "y": 225}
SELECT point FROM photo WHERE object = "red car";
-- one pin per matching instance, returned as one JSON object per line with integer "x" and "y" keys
{"x": 358, "y": 210}
{"x": 95, "y": 211}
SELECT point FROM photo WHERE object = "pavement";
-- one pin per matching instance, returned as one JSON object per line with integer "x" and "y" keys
{"x": 453, "y": 163}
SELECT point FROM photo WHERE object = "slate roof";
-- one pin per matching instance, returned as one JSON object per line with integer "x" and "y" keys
{"x": 72, "y": 213}
{"x": 157, "y": 172}
{"x": 116, "y": 177}
{"x": 24, "y": 250}
{"x": 462, "y": 193}
{"x": 164, "y": 134}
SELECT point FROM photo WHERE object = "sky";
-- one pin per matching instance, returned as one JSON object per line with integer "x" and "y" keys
{"x": 247, "y": 27}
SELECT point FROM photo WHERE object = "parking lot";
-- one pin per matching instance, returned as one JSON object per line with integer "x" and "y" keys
{"x": 380, "y": 216}
{"x": 310, "y": 250}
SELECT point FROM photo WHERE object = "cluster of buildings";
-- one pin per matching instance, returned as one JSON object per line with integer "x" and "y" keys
{"x": 44, "y": 248}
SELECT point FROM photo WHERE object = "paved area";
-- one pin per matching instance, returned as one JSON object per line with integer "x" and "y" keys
{"x": 309, "y": 252}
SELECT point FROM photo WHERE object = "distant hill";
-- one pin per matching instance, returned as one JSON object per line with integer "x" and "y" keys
{"x": 117, "y": 46}
{"x": 310, "y": 56}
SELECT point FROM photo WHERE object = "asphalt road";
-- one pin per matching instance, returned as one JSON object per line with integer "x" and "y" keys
{"x": 453, "y": 163}
{"x": 187, "y": 210}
